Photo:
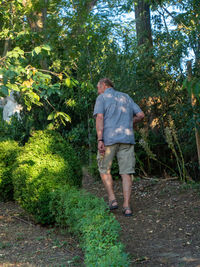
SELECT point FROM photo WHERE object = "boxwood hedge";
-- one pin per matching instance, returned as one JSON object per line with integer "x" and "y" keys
{"x": 89, "y": 218}
{"x": 46, "y": 177}
{"x": 46, "y": 162}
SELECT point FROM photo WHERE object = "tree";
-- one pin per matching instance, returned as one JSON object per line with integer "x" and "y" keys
{"x": 143, "y": 23}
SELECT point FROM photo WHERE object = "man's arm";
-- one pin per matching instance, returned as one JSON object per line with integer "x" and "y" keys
{"x": 99, "y": 129}
{"x": 99, "y": 126}
{"x": 138, "y": 117}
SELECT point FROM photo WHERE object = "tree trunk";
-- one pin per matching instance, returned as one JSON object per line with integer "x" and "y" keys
{"x": 143, "y": 23}
{"x": 147, "y": 76}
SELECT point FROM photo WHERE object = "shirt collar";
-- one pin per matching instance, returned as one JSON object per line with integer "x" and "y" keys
{"x": 108, "y": 89}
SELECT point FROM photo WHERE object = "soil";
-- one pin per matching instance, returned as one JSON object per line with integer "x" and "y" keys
{"x": 165, "y": 227}
{"x": 25, "y": 244}
{"x": 163, "y": 231}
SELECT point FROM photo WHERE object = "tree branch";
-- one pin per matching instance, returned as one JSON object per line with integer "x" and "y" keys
{"x": 174, "y": 18}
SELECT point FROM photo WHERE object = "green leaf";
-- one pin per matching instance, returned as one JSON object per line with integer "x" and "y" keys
{"x": 68, "y": 82}
{"x": 16, "y": 52}
{"x": 51, "y": 116}
{"x": 46, "y": 47}
{"x": 13, "y": 86}
{"x": 70, "y": 102}
{"x": 37, "y": 50}
{"x": 50, "y": 126}
{"x": 4, "y": 90}
{"x": 65, "y": 116}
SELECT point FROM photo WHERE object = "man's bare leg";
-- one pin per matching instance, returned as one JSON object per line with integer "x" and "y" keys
{"x": 127, "y": 188}
{"x": 108, "y": 183}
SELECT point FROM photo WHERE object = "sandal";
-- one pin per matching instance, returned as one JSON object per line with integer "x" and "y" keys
{"x": 111, "y": 206}
{"x": 127, "y": 214}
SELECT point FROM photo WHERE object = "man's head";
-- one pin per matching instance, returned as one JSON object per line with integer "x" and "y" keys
{"x": 103, "y": 84}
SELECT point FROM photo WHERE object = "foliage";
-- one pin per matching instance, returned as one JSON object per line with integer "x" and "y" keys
{"x": 55, "y": 60}
{"x": 16, "y": 129}
{"x": 9, "y": 151}
{"x": 46, "y": 161}
{"x": 44, "y": 172}
{"x": 172, "y": 140}
{"x": 89, "y": 218}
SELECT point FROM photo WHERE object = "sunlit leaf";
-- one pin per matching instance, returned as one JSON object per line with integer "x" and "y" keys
{"x": 37, "y": 50}
{"x": 51, "y": 116}
{"x": 68, "y": 82}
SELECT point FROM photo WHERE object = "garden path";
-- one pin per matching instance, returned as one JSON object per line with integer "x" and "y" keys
{"x": 164, "y": 230}
{"x": 165, "y": 227}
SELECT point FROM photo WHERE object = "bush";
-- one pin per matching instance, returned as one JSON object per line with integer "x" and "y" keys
{"x": 9, "y": 150}
{"x": 89, "y": 218}
{"x": 46, "y": 162}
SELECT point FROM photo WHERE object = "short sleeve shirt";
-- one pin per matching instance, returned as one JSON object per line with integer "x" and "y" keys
{"x": 118, "y": 109}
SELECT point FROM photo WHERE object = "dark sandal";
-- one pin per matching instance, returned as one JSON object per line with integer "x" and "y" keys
{"x": 127, "y": 214}
{"x": 111, "y": 206}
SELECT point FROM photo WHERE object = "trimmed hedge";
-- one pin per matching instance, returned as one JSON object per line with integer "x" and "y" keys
{"x": 46, "y": 162}
{"x": 9, "y": 150}
{"x": 45, "y": 175}
{"x": 90, "y": 219}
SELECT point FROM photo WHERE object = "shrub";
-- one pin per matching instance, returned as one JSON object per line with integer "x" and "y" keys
{"x": 89, "y": 218}
{"x": 47, "y": 171}
{"x": 9, "y": 150}
{"x": 46, "y": 162}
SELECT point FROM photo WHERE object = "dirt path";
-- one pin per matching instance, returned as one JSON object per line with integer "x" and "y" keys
{"x": 165, "y": 228}
{"x": 164, "y": 231}
{"x": 24, "y": 244}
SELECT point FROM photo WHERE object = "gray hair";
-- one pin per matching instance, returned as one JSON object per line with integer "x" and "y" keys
{"x": 107, "y": 81}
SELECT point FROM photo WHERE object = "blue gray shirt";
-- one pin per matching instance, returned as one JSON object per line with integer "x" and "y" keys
{"x": 118, "y": 109}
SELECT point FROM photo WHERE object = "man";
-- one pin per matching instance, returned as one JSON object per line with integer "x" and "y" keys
{"x": 116, "y": 113}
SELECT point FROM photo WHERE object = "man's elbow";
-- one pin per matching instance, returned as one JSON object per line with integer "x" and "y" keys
{"x": 99, "y": 117}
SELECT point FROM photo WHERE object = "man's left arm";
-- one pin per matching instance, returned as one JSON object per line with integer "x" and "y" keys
{"x": 138, "y": 117}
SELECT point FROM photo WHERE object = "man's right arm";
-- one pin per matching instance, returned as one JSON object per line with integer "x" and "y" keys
{"x": 99, "y": 129}
{"x": 99, "y": 126}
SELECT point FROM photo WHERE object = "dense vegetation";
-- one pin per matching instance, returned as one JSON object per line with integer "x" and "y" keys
{"x": 46, "y": 162}
{"x": 9, "y": 150}
{"x": 54, "y": 52}
{"x": 44, "y": 177}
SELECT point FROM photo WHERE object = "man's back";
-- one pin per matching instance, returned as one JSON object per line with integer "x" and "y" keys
{"x": 118, "y": 109}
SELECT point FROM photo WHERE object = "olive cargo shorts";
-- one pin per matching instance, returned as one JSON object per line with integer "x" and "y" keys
{"x": 125, "y": 156}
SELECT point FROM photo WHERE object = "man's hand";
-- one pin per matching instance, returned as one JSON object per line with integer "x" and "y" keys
{"x": 138, "y": 117}
{"x": 101, "y": 148}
